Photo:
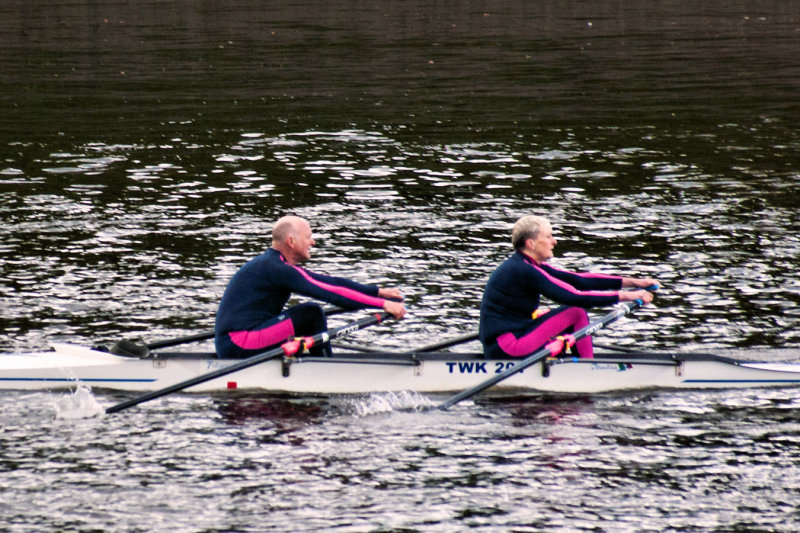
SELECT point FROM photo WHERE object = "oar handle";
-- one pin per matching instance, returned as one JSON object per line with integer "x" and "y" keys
{"x": 622, "y": 310}
{"x": 274, "y": 353}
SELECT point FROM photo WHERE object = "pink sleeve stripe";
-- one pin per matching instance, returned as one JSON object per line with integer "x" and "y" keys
{"x": 569, "y": 288}
{"x": 344, "y": 292}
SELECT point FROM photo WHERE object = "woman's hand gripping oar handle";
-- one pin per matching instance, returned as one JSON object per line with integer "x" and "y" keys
{"x": 274, "y": 353}
{"x": 622, "y": 310}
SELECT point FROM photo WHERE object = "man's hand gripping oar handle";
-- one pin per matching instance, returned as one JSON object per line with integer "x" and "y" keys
{"x": 274, "y": 353}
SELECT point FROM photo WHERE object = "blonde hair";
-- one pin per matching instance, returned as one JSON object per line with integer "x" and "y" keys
{"x": 527, "y": 227}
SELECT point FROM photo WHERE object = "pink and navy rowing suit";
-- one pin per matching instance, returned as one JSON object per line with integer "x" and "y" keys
{"x": 511, "y": 297}
{"x": 251, "y": 317}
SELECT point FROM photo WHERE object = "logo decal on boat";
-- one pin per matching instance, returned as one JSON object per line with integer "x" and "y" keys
{"x": 617, "y": 367}
{"x": 476, "y": 367}
{"x": 470, "y": 367}
{"x": 213, "y": 364}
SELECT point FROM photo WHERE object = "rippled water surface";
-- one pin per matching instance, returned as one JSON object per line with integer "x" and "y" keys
{"x": 709, "y": 461}
{"x": 146, "y": 148}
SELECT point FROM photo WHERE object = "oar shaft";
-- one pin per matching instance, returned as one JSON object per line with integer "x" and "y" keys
{"x": 250, "y": 361}
{"x": 537, "y": 356}
{"x": 445, "y": 344}
{"x": 204, "y": 336}
{"x": 182, "y": 340}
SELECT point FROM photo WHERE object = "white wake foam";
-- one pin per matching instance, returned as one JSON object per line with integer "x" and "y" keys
{"x": 385, "y": 402}
{"x": 80, "y": 403}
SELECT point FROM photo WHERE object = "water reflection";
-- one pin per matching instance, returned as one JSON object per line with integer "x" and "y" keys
{"x": 284, "y": 414}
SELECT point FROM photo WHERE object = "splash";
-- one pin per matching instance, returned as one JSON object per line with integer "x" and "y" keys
{"x": 81, "y": 403}
{"x": 386, "y": 402}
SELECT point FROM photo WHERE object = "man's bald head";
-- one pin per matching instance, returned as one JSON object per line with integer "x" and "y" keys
{"x": 291, "y": 236}
{"x": 287, "y": 226}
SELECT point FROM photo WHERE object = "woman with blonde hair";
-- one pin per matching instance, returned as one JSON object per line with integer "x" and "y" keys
{"x": 511, "y": 323}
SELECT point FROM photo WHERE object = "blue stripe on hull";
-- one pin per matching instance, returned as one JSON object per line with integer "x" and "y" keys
{"x": 87, "y": 380}
{"x": 741, "y": 381}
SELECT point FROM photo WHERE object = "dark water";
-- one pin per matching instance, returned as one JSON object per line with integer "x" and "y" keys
{"x": 147, "y": 147}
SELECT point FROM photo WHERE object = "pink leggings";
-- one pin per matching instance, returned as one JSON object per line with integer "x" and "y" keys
{"x": 303, "y": 319}
{"x": 555, "y": 322}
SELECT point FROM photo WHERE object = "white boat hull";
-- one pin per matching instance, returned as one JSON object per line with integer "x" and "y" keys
{"x": 68, "y": 365}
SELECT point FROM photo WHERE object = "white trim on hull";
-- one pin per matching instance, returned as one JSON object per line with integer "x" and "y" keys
{"x": 367, "y": 373}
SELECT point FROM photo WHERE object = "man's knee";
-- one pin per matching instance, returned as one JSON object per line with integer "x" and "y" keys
{"x": 308, "y": 317}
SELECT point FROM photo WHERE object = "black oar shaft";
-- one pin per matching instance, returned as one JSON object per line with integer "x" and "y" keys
{"x": 537, "y": 356}
{"x": 424, "y": 349}
{"x": 204, "y": 336}
{"x": 181, "y": 340}
{"x": 250, "y": 361}
{"x": 445, "y": 344}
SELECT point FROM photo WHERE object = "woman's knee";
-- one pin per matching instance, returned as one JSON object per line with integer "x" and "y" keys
{"x": 578, "y": 316}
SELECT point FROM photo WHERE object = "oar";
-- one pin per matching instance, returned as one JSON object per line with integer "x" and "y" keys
{"x": 355, "y": 348}
{"x": 132, "y": 349}
{"x": 440, "y": 345}
{"x": 429, "y": 348}
{"x": 552, "y": 348}
{"x": 613, "y": 348}
{"x": 445, "y": 344}
{"x": 288, "y": 348}
{"x": 180, "y": 340}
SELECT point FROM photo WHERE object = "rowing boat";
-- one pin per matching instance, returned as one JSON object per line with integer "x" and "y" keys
{"x": 352, "y": 372}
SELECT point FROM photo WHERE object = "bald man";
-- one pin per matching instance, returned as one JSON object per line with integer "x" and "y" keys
{"x": 251, "y": 318}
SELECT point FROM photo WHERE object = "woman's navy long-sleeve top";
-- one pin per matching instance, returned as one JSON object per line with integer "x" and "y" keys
{"x": 514, "y": 289}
